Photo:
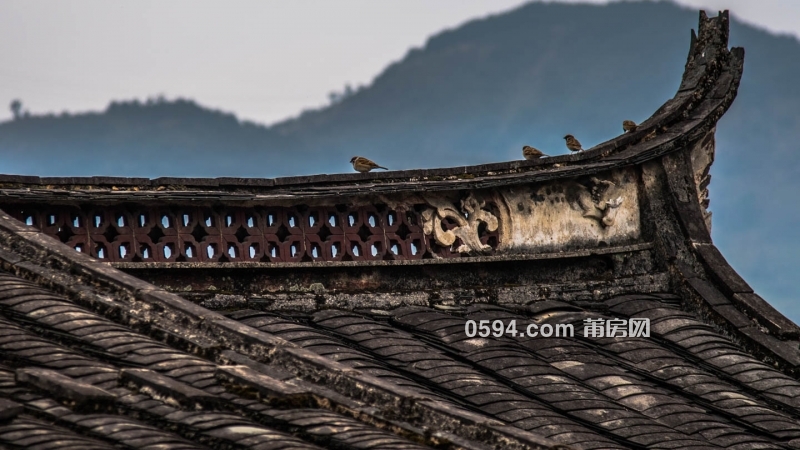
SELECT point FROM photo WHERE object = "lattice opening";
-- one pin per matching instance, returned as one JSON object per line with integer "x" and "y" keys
{"x": 291, "y": 220}
{"x": 189, "y": 251}
{"x": 124, "y": 250}
{"x": 100, "y": 250}
{"x": 211, "y": 250}
{"x": 252, "y": 250}
{"x": 121, "y": 221}
{"x": 145, "y": 251}
{"x": 169, "y": 250}
{"x": 333, "y": 220}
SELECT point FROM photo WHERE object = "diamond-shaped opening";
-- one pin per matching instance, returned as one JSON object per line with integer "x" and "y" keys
{"x": 155, "y": 234}
{"x": 64, "y": 233}
{"x": 110, "y": 233}
{"x": 242, "y": 234}
{"x": 324, "y": 232}
{"x": 198, "y": 233}
{"x": 282, "y": 233}
{"x": 364, "y": 233}
{"x": 403, "y": 231}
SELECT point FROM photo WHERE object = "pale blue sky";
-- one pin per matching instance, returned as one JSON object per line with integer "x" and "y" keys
{"x": 263, "y": 60}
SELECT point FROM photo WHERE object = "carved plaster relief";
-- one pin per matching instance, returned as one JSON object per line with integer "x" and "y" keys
{"x": 596, "y": 211}
{"x": 467, "y": 220}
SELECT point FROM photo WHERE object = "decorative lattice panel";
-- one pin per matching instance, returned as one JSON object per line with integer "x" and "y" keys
{"x": 260, "y": 234}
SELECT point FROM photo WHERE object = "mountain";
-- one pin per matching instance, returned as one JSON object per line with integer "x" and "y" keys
{"x": 477, "y": 94}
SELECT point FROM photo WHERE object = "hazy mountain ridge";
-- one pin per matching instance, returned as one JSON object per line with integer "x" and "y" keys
{"x": 476, "y": 94}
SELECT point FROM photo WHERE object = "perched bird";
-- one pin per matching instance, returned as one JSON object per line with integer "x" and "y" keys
{"x": 532, "y": 153}
{"x": 573, "y": 144}
{"x": 364, "y": 165}
{"x": 628, "y": 125}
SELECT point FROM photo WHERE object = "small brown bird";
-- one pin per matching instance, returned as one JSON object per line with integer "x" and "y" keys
{"x": 364, "y": 165}
{"x": 573, "y": 144}
{"x": 628, "y": 126}
{"x": 532, "y": 153}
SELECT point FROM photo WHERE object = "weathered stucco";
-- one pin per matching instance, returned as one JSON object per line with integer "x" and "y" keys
{"x": 592, "y": 212}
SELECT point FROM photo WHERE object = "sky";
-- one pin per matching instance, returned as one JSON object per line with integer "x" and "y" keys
{"x": 264, "y": 60}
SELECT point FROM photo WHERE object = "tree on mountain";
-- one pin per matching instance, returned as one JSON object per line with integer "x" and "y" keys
{"x": 16, "y": 109}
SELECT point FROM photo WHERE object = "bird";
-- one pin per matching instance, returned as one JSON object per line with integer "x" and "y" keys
{"x": 364, "y": 165}
{"x": 573, "y": 144}
{"x": 628, "y": 125}
{"x": 532, "y": 153}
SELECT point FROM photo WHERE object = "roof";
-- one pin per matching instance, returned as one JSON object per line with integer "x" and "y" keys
{"x": 345, "y": 311}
